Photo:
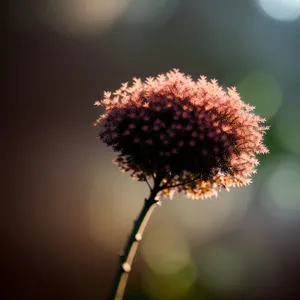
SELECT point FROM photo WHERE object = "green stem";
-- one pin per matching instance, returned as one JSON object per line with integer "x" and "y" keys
{"x": 126, "y": 258}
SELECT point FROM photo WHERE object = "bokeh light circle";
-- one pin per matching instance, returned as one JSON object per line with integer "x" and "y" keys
{"x": 111, "y": 207}
{"x": 154, "y": 13}
{"x": 286, "y": 123}
{"x": 165, "y": 251}
{"x": 262, "y": 91}
{"x": 81, "y": 17}
{"x": 203, "y": 220}
{"x": 223, "y": 267}
{"x": 172, "y": 286}
{"x": 281, "y": 10}
{"x": 280, "y": 193}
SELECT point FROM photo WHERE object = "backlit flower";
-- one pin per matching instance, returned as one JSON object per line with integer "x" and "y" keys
{"x": 210, "y": 135}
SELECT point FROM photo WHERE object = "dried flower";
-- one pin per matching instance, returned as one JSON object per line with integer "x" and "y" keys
{"x": 194, "y": 134}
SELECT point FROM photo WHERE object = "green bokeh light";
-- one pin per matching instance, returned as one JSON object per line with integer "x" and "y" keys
{"x": 286, "y": 124}
{"x": 170, "y": 287}
{"x": 165, "y": 251}
{"x": 262, "y": 91}
{"x": 222, "y": 267}
{"x": 281, "y": 192}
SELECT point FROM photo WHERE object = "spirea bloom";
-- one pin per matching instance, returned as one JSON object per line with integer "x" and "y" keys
{"x": 194, "y": 134}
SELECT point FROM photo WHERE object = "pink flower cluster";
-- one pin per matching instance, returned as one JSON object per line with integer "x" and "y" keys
{"x": 198, "y": 135}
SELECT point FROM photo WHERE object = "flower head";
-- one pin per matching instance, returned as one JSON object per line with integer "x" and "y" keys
{"x": 194, "y": 134}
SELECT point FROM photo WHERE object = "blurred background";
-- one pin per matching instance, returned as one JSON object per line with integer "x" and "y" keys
{"x": 68, "y": 209}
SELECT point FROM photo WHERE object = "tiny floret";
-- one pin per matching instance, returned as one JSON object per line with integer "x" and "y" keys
{"x": 196, "y": 135}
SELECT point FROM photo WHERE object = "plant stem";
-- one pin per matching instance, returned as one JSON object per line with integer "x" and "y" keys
{"x": 126, "y": 258}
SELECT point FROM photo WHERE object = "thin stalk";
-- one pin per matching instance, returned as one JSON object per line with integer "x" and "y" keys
{"x": 126, "y": 258}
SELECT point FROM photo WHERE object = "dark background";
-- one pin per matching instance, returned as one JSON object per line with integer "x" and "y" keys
{"x": 68, "y": 209}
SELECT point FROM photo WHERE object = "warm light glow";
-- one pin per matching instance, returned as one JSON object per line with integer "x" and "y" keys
{"x": 282, "y": 10}
{"x": 119, "y": 200}
{"x": 82, "y": 17}
{"x": 204, "y": 220}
